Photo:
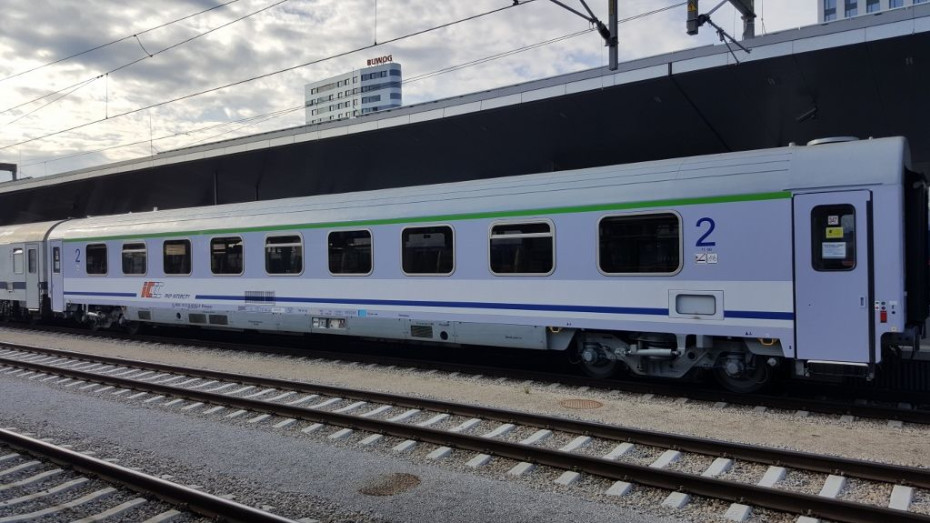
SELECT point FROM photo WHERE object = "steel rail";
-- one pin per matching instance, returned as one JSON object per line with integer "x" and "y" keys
{"x": 191, "y": 500}
{"x": 801, "y": 460}
{"x": 721, "y": 489}
{"x": 690, "y": 391}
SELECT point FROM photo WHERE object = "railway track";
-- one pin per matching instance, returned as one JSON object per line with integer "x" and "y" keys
{"x": 489, "y": 434}
{"x": 878, "y": 405}
{"x": 33, "y": 485}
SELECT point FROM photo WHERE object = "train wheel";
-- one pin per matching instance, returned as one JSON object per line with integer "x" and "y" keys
{"x": 597, "y": 361}
{"x": 743, "y": 372}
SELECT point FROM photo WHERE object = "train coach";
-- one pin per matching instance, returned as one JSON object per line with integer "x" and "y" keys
{"x": 809, "y": 259}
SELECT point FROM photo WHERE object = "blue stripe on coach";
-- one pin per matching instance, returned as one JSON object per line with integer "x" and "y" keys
{"x": 761, "y": 315}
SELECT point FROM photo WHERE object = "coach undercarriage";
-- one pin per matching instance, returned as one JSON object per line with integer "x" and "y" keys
{"x": 739, "y": 365}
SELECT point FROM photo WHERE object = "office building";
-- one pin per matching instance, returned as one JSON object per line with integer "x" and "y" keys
{"x": 829, "y": 10}
{"x": 353, "y": 94}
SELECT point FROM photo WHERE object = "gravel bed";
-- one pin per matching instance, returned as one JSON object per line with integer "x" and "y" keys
{"x": 868, "y": 492}
{"x": 921, "y": 502}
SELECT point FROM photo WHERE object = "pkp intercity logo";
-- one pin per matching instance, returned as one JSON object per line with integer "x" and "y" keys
{"x": 152, "y": 289}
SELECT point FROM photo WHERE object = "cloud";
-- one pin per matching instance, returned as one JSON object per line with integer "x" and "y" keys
{"x": 34, "y": 32}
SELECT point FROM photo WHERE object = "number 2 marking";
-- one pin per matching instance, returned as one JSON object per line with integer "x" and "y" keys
{"x": 77, "y": 255}
{"x": 702, "y": 241}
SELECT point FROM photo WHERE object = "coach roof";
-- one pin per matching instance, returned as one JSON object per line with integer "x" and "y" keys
{"x": 723, "y": 177}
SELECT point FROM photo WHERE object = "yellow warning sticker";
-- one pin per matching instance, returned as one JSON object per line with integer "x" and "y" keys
{"x": 834, "y": 232}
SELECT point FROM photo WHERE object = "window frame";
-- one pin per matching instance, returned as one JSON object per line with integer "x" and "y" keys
{"x": 106, "y": 259}
{"x": 303, "y": 255}
{"x": 428, "y": 274}
{"x": 242, "y": 256}
{"x": 190, "y": 252}
{"x": 817, "y": 247}
{"x": 122, "y": 252}
{"x": 531, "y": 221}
{"x": 681, "y": 244}
{"x": 371, "y": 236}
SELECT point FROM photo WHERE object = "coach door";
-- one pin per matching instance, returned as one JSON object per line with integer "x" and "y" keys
{"x": 32, "y": 276}
{"x": 55, "y": 284}
{"x": 833, "y": 265}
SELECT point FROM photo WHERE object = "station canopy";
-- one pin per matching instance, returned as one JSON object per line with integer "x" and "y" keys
{"x": 864, "y": 77}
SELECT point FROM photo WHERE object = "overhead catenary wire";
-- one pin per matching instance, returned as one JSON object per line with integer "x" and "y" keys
{"x": 269, "y": 74}
{"x": 101, "y": 46}
{"x": 257, "y": 119}
{"x": 74, "y": 87}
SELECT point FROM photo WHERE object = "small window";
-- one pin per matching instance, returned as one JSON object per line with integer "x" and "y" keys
{"x": 95, "y": 257}
{"x": 177, "y": 256}
{"x": 428, "y": 250}
{"x": 226, "y": 255}
{"x": 56, "y": 260}
{"x": 18, "y": 261}
{"x": 522, "y": 248}
{"x": 350, "y": 252}
{"x": 640, "y": 244}
{"x": 284, "y": 255}
{"x": 833, "y": 237}
{"x": 134, "y": 258}
{"x": 33, "y": 262}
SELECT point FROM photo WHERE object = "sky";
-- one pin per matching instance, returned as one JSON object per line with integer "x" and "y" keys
{"x": 138, "y": 97}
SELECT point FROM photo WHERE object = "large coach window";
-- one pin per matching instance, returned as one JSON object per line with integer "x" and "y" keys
{"x": 134, "y": 257}
{"x": 96, "y": 258}
{"x": 350, "y": 252}
{"x": 640, "y": 244}
{"x": 833, "y": 234}
{"x": 226, "y": 255}
{"x": 284, "y": 255}
{"x": 522, "y": 248}
{"x": 427, "y": 250}
{"x": 32, "y": 261}
{"x": 177, "y": 257}
{"x": 18, "y": 261}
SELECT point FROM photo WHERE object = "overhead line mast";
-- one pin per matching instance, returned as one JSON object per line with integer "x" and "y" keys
{"x": 608, "y": 32}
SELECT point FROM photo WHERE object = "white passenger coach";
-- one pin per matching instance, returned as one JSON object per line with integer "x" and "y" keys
{"x": 811, "y": 259}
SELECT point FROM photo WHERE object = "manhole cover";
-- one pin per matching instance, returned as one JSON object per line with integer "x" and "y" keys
{"x": 390, "y": 485}
{"x": 581, "y": 404}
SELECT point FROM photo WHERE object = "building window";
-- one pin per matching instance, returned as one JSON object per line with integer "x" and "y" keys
{"x": 427, "y": 250}
{"x": 833, "y": 238}
{"x": 95, "y": 258}
{"x": 395, "y": 72}
{"x": 134, "y": 258}
{"x": 640, "y": 244}
{"x": 829, "y": 10}
{"x": 852, "y": 8}
{"x": 18, "y": 261}
{"x": 522, "y": 248}
{"x": 395, "y": 96}
{"x": 226, "y": 255}
{"x": 895, "y": 3}
{"x": 284, "y": 255}
{"x": 371, "y": 99}
{"x": 872, "y": 6}
{"x": 177, "y": 257}
{"x": 350, "y": 252}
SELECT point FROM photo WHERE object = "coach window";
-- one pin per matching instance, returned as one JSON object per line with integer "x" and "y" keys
{"x": 427, "y": 250}
{"x": 134, "y": 258}
{"x": 833, "y": 237}
{"x": 522, "y": 248}
{"x": 284, "y": 255}
{"x": 226, "y": 255}
{"x": 350, "y": 252}
{"x": 18, "y": 261}
{"x": 32, "y": 262}
{"x": 95, "y": 256}
{"x": 56, "y": 260}
{"x": 640, "y": 244}
{"x": 177, "y": 256}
